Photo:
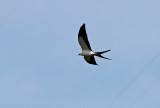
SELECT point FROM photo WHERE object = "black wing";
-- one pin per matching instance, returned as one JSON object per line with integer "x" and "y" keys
{"x": 90, "y": 60}
{"x": 82, "y": 38}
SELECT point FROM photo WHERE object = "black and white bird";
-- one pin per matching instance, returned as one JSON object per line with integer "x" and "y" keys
{"x": 86, "y": 48}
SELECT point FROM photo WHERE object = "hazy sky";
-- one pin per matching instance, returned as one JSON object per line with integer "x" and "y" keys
{"x": 39, "y": 62}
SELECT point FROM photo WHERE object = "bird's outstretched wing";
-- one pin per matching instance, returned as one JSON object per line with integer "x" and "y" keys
{"x": 82, "y": 38}
{"x": 90, "y": 60}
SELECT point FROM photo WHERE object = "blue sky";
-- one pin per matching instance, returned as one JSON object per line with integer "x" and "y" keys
{"x": 39, "y": 62}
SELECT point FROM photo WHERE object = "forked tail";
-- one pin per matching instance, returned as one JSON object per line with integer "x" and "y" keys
{"x": 99, "y": 54}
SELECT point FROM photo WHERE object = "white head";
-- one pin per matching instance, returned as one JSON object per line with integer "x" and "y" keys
{"x": 80, "y": 54}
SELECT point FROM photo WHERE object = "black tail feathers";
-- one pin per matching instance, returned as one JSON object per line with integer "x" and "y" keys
{"x": 103, "y": 52}
{"x": 99, "y": 54}
{"x": 103, "y": 57}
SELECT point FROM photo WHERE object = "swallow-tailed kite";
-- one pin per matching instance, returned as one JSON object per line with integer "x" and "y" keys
{"x": 86, "y": 48}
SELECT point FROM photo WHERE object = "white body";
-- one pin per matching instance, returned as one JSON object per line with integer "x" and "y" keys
{"x": 87, "y": 53}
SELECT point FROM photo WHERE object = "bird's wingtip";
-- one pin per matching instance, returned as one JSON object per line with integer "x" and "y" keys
{"x": 83, "y": 24}
{"x": 96, "y": 64}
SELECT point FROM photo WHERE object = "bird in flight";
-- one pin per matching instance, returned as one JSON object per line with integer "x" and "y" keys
{"x": 86, "y": 48}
